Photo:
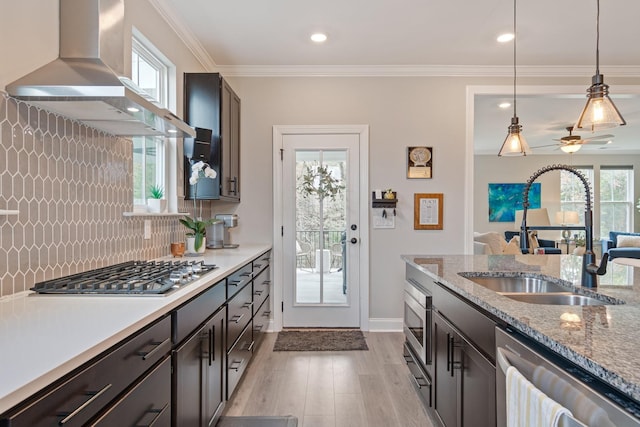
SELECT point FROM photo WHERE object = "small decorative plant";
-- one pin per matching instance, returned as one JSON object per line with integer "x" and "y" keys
{"x": 156, "y": 192}
{"x": 198, "y": 229}
{"x": 197, "y": 226}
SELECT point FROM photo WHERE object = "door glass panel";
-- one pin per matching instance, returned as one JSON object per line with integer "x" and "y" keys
{"x": 321, "y": 214}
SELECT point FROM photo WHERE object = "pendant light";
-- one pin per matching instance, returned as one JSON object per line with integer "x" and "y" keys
{"x": 514, "y": 144}
{"x": 600, "y": 112}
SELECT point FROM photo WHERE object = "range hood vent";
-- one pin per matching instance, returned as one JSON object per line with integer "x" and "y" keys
{"x": 85, "y": 82}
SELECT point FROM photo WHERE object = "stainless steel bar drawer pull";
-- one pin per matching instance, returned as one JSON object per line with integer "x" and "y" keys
{"x": 234, "y": 282}
{"x": 236, "y": 318}
{"x": 236, "y": 364}
{"x": 94, "y": 395}
{"x": 158, "y": 413}
{"x": 258, "y": 292}
{"x": 157, "y": 345}
{"x": 245, "y": 274}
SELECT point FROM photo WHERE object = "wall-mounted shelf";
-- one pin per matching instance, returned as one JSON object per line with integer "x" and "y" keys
{"x": 383, "y": 203}
{"x": 132, "y": 214}
{"x": 5, "y": 212}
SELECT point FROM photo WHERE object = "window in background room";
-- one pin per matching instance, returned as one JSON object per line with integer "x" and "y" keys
{"x": 572, "y": 197}
{"x": 616, "y": 199}
{"x": 150, "y": 73}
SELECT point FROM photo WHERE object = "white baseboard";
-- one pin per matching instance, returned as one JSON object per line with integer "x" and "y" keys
{"x": 385, "y": 325}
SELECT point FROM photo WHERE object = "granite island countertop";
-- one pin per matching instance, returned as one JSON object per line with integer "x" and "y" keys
{"x": 44, "y": 337}
{"x": 604, "y": 340}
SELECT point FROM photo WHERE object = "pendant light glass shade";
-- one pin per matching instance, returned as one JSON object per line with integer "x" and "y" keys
{"x": 600, "y": 111}
{"x": 515, "y": 143}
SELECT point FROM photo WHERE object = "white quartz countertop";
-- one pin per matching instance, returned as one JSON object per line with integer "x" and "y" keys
{"x": 605, "y": 340}
{"x": 44, "y": 337}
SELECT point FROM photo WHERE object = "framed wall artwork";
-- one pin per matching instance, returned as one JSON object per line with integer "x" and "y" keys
{"x": 505, "y": 199}
{"x": 419, "y": 162}
{"x": 427, "y": 211}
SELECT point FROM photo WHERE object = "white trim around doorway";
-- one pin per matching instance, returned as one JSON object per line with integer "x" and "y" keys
{"x": 279, "y": 131}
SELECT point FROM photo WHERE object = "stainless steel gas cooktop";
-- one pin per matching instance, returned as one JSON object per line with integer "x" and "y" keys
{"x": 128, "y": 278}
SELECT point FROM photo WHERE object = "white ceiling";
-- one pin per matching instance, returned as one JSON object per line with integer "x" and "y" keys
{"x": 429, "y": 37}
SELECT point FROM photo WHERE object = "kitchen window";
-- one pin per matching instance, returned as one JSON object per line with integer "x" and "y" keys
{"x": 151, "y": 71}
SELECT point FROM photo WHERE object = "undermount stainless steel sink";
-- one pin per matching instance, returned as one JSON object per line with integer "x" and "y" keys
{"x": 536, "y": 290}
{"x": 522, "y": 284}
{"x": 555, "y": 299}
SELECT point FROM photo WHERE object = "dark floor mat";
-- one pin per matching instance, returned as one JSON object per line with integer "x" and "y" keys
{"x": 320, "y": 340}
{"x": 287, "y": 421}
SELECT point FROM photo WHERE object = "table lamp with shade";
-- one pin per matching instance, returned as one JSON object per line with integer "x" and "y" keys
{"x": 567, "y": 218}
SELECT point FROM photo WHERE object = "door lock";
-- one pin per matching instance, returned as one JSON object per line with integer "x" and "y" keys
{"x": 354, "y": 240}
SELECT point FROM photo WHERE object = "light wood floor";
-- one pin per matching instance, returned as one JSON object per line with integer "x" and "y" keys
{"x": 332, "y": 389}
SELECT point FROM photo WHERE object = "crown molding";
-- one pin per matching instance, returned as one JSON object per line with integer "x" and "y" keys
{"x": 185, "y": 34}
{"x": 420, "y": 71}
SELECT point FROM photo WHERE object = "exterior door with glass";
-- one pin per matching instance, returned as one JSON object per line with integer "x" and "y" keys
{"x": 320, "y": 198}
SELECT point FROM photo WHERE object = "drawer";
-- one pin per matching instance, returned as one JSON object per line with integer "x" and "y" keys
{"x": 238, "y": 280}
{"x": 188, "y": 317}
{"x": 261, "y": 318}
{"x": 261, "y": 263}
{"x": 238, "y": 358}
{"x": 80, "y": 398}
{"x": 475, "y": 326}
{"x": 261, "y": 289}
{"x": 148, "y": 403}
{"x": 239, "y": 312}
{"x": 419, "y": 378}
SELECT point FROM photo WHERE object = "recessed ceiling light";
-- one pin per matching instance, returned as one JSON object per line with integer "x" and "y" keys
{"x": 504, "y": 105}
{"x": 506, "y": 37}
{"x": 172, "y": 131}
{"x": 133, "y": 109}
{"x": 319, "y": 37}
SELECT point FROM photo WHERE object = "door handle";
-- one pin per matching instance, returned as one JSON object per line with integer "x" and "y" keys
{"x": 354, "y": 240}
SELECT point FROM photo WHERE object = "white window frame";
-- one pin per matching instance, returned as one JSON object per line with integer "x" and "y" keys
{"x": 166, "y": 148}
{"x": 628, "y": 203}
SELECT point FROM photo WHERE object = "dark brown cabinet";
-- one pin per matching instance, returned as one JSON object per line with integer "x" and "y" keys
{"x": 465, "y": 379}
{"x": 211, "y": 103}
{"x": 90, "y": 391}
{"x": 198, "y": 372}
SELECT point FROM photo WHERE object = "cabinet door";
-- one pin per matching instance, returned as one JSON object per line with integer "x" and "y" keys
{"x": 214, "y": 369}
{"x": 229, "y": 144}
{"x": 478, "y": 387}
{"x": 188, "y": 374}
{"x": 447, "y": 379}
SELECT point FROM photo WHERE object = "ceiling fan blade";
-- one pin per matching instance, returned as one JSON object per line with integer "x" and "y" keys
{"x": 598, "y": 137}
{"x": 548, "y": 145}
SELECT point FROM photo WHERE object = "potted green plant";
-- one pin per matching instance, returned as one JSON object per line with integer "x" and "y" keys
{"x": 156, "y": 202}
{"x": 195, "y": 237}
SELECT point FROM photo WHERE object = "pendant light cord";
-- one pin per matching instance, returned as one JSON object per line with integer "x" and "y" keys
{"x": 514, "y": 59}
{"x": 597, "y": 37}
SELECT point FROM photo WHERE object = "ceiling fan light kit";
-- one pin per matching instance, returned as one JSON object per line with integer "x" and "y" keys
{"x": 514, "y": 144}
{"x": 571, "y": 148}
{"x": 600, "y": 112}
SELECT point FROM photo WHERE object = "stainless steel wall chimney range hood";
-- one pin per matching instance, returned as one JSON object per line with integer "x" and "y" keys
{"x": 85, "y": 82}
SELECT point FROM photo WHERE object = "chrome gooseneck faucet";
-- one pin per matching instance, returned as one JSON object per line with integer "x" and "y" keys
{"x": 590, "y": 271}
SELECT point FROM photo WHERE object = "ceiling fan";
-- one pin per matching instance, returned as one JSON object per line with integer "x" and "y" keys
{"x": 572, "y": 143}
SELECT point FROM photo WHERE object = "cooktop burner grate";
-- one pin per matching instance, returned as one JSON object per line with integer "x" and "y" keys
{"x": 128, "y": 278}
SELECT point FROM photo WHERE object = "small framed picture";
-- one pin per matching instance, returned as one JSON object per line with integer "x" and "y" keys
{"x": 419, "y": 162}
{"x": 427, "y": 211}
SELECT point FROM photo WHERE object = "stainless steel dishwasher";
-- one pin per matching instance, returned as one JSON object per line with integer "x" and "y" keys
{"x": 599, "y": 404}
